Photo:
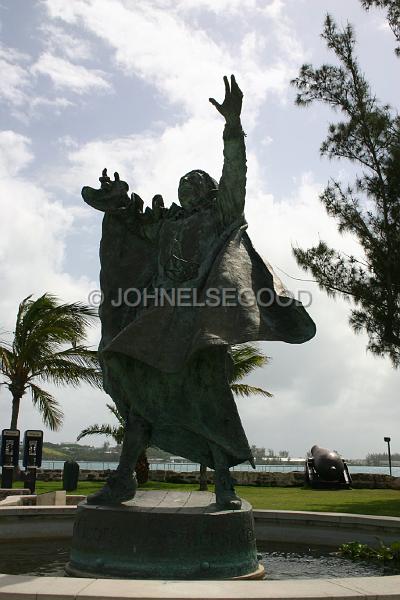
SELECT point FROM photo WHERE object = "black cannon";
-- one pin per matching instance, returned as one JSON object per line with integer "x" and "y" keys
{"x": 325, "y": 469}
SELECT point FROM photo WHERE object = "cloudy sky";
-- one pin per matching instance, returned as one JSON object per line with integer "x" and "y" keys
{"x": 125, "y": 84}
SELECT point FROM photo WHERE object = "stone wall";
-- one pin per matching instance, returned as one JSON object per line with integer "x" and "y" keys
{"x": 375, "y": 481}
{"x": 266, "y": 479}
{"x": 84, "y": 475}
{"x": 272, "y": 479}
{"x": 256, "y": 478}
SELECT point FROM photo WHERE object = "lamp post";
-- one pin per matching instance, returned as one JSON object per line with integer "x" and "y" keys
{"x": 387, "y": 440}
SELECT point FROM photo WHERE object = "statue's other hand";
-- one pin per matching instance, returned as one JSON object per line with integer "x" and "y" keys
{"x": 232, "y": 104}
{"x": 111, "y": 195}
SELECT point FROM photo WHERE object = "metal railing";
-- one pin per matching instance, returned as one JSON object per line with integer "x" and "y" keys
{"x": 178, "y": 467}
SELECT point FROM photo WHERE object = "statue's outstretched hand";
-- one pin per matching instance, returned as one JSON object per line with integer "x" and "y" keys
{"x": 111, "y": 195}
{"x": 232, "y": 104}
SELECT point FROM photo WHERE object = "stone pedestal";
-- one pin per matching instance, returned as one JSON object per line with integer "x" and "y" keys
{"x": 164, "y": 535}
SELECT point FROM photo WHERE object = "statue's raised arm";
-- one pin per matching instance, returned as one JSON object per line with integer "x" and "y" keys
{"x": 232, "y": 186}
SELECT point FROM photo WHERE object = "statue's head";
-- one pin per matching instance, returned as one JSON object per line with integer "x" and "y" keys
{"x": 196, "y": 186}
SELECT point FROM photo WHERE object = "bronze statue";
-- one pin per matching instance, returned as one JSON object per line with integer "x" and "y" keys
{"x": 180, "y": 285}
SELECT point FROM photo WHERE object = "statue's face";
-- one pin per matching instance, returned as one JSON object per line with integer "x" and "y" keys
{"x": 193, "y": 188}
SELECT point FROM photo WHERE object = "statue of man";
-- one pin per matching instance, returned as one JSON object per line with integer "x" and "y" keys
{"x": 180, "y": 286}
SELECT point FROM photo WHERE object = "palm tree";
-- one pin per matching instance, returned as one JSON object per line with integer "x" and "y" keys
{"x": 117, "y": 433}
{"x": 246, "y": 358}
{"x": 48, "y": 346}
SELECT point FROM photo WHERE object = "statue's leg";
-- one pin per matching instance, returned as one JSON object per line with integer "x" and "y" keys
{"x": 226, "y": 497}
{"x": 121, "y": 485}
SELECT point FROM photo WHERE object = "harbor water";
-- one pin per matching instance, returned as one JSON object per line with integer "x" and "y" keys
{"x": 186, "y": 467}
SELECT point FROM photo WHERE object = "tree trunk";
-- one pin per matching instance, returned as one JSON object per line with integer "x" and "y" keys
{"x": 142, "y": 468}
{"x": 203, "y": 479}
{"x": 15, "y": 411}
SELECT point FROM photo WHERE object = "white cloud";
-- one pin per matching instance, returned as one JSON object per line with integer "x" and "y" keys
{"x": 215, "y": 6}
{"x": 274, "y": 9}
{"x": 151, "y": 163}
{"x": 180, "y": 59}
{"x": 15, "y": 80}
{"x": 32, "y": 240}
{"x": 57, "y": 103}
{"x": 33, "y": 229}
{"x": 14, "y": 153}
{"x": 19, "y": 88}
{"x": 57, "y": 40}
{"x": 220, "y": 7}
{"x": 65, "y": 74}
{"x": 383, "y": 25}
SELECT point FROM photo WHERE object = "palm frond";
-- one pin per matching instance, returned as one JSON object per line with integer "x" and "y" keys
{"x": 246, "y": 358}
{"x": 242, "y": 389}
{"x": 21, "y": 325}
{"x": 43, "y": 325}
{"x": 117, "y": 433}
{"x": 117, "y": 414}
{"x": 7, "y": 360}
{"x": 67, "y": 372}
{"x": 48, "y": 406}
{"x": 82, "y": 355}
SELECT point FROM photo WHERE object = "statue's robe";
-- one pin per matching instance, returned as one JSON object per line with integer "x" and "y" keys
{"x": 170, "y": 364}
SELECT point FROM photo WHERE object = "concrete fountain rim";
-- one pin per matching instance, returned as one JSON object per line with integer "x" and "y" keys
{"x": 54, "y": 588}
{"x": 26, "y": 587}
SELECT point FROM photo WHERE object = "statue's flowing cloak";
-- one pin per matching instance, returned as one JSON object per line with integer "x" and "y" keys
{"x": 244, "y": 306}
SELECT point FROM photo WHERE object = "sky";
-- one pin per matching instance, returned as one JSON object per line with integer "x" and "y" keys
{"x": 88, "y": 84}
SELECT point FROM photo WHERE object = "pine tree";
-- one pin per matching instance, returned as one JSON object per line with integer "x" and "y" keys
{"x": 393, "y": 15}
{"x": 368, "y": 136}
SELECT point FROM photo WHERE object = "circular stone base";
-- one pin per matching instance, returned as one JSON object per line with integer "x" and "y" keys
{"x": 164, "y": 535}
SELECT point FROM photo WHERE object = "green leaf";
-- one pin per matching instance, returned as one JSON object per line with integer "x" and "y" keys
{"x": 48, "y": 406}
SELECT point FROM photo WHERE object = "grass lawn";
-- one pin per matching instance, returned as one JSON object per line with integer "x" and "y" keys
{"x": 367, "y": 502}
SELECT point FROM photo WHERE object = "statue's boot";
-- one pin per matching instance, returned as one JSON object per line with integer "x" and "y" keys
{"x": 120, "y": 487}
{"x": 122, "y": 484}
{"x": 226, "y": 497}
